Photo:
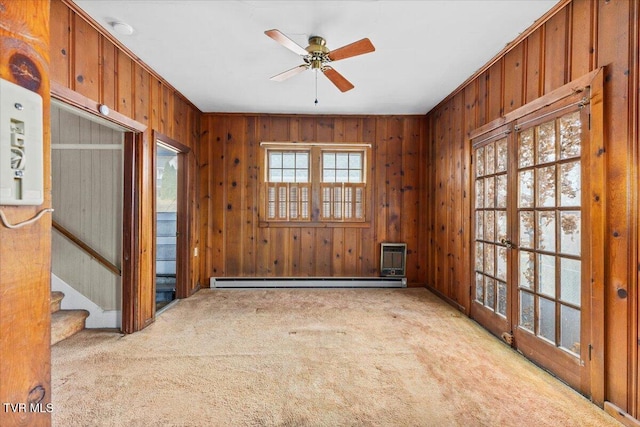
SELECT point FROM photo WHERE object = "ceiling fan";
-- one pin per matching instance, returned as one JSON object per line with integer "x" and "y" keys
{"x": 316, "y": 56}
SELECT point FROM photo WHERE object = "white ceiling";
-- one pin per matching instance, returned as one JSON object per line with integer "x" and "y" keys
{"x": 217, "y": 55}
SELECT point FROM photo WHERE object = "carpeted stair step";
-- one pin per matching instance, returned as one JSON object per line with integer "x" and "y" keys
{"x": 56, "y": 300}
{"x": 65, "y": 323}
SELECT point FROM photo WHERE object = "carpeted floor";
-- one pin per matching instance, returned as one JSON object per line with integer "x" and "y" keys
{"x": 307, "y": 357}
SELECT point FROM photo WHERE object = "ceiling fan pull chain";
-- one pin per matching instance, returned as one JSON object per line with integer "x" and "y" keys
{"x": 316, "y": 101}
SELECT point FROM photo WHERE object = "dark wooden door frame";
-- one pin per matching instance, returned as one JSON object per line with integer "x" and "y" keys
{"x": 184, "y": 213}
{"x": 132, "y": 181}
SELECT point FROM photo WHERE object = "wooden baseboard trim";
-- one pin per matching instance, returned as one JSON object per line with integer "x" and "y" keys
{"x": 620, "y": 415}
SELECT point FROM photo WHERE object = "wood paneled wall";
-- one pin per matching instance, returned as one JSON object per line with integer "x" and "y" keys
{"x": 236, "y": 245}
{"x": 579, "y": 37}
{"x": 86, "y": 60}
{"x": 25, "y": 296}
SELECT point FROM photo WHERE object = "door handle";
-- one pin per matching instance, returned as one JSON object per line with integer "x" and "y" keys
{"x": 508, "y": 243}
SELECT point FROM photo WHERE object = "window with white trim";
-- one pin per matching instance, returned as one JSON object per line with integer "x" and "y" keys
{"x": 314, "y": 182}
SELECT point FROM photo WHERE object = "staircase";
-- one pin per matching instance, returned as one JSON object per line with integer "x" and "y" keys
{"x": 64, "y": 323}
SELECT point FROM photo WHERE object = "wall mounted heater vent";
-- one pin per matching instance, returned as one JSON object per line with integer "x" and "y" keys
{"x": 393, "y": 259}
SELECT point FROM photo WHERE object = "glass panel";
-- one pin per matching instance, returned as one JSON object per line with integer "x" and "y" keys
{"x": 275, "y": 160}
{"x": 480, "y": 161}
{"x": 570, "y": 223}
{"x": 275, "y": 175}
{"x": 501, "y": 225}
{"x": 501, "y": 263}
{"x": 490, "y": 164}
{"x": 342, "y": 160}
{"x": 479, "y": 225}
{"x": 328, "y": 160}
{"x": 302, "y": 160}
{"x": 288, "y": 160}
{"x": 490, "y": 188}
{"x": 355, "y": 160}
{"x": 546, "y": 142}
{"x": 489, "y": 259}
{"x": 329, "y": 175}
{"x": 480, "y": 193}
{"x": 501, "y": 191}
{"x": 525, "y": 148}
{"x": 526, "y": 229}
{"x": 570, "y": 281}
{"x": 501, "y": 155}
{"x": 489, "y": 300}
{"x": 489, "y": 226}
{"x": 480, "y": 288}
{"x": 526, "y": 311}
{"x": 342, "y": 175}
{"x": 570, "y": 184}
{"x": 546, "y": 231}
{"x": 479, "y": 256}
{"x": 302, "y": 175}
{"x": 570, "y": 329}
{"x": 526, "y": 269}
{"x": 547, "y": 319}
{"x": 547, "y": 275}
{"x": 546, "y": 186}
{"x": 525, "y": 189}
{"x": 502, "y": 298}
{"x": 570, "y": 128}
{"x": 288, "y": 175}
{"x": 355, "y": 175}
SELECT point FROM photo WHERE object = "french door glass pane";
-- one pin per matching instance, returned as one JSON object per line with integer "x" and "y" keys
{"x": 489, "y": 166}
{"x": 501, "y": 155}
{"x": 549, "y": 230}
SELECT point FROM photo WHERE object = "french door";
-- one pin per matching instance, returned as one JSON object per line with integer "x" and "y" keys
{"x": 531, "y": 237}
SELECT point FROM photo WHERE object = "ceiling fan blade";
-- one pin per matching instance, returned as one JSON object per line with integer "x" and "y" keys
{"x": 289, "y": 73}
{"x": 286, "y": 42}
{"x": 354, "y": 49}
{"x": 337, "y": 79}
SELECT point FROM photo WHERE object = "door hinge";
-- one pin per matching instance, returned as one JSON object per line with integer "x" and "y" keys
{"x": 589, "y": 121}
{"x": 590, "y": 349}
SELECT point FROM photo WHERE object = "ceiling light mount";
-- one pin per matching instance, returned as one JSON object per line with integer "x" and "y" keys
{"x": 122, "y": 28}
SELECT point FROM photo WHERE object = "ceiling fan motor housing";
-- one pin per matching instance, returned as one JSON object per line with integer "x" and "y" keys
{"x": 318, "y": 51}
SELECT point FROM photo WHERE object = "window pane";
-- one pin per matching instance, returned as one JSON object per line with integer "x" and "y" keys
{"x": 302, "y": 175}
{"x": 489, "y": 226}
{"x": 342, "y": 175}
{"x": 501, "y": 226}
{"x": 546, "y": 231}
{"x": 275, "y": 160}
{"x": 547, "y": 275}
{"x": 570, "y": 281}
{"x": 288, "y": 175}
{"x": 570, "y": 232}
{"x": 501, "y": 191}
{"x": 302, "y": 161}
{"x": 288, "y": 160}
{"x": 526, "y": 229}
{"x": 546, "y": 180}
{"x": 275, "y": 175}
{"x": 355, "y": 176}
{"x": 570, "y": 184}
{"x": 547, "y": 319}
{"x": 479, "y": 288}
{"x": 502, "y": 298}
{"x": 490, "y": 164}
{"x": 526, "y": 311}
{"x": 355, "y": 160}
{"x": 525, "y": 189}
{"x": 570, "y": 128}
{"x": 570, "y": 329}
{"x": 480, "y": 161}
{"x": 525, "y": 148}
{"x": 546, "y": 142}
{"x": 501, "y": 155}
{"x": 480, "y": 193}
{"x": 490, "y": 192}
{"x": 329, "y": 175}
{"x": 490, "y": 297}
{"x": 329, "y": 160}
{"x": 526, "y": 269}
{"x": 342, "y": 160}
{"x": 479, "y": 225}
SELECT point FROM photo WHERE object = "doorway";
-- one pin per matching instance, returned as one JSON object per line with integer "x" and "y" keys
{"x": 171, "y": 225}
{"x": 531, "y": 239}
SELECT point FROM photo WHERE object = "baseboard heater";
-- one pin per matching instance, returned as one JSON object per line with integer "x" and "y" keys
{"x": 308, "y": 282}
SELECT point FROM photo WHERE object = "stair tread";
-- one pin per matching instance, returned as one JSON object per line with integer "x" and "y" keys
{"x": 65, "y": 323}
{"x": 56, "y": 299}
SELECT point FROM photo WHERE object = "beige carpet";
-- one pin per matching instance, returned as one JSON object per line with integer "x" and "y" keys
{"x": 307, "y": 357}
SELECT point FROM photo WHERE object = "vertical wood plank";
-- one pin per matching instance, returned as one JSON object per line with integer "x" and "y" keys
{"x": 86, "y": 65}
{"x": 534, "y": 72}
{"x": 494, "y": 96}
{"x": 582, "y": 38}
{"x": 555, "y": 51}
{"x": 60, "y": 42}
{"x": 110, "y": 73}
{"x": 142, "y": 94}
{"x": 513, "y": 78}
